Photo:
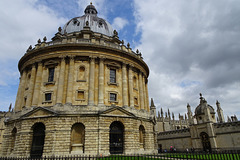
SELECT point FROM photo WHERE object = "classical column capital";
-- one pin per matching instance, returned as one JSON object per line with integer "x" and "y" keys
{"x": 62, "y": 57}
{"x": 71, "y": 57}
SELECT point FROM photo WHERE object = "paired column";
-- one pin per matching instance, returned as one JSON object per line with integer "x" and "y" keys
{"x": 91, "y": 82}
{"x": 130, "y": 80}
{"x": 70, "y": 80}
{"x": 19, "y": 98}
{"x": 61, "y": 81}
{"x": 101, "y": 83}
{"x": 37, "y": 85}
{"x": 124, "y": 85}
{"x": 145, "y": 94}
{"x": 31, "y": 86}
{"x": 141, "y": 91}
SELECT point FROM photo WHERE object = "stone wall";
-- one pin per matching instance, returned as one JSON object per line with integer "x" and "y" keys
{"x": 58, "y": 135}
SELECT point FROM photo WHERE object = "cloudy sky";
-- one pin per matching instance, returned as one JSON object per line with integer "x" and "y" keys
{"x": 191, "y": 47}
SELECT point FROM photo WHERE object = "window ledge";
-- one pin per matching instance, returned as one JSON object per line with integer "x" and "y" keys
{"x": 111, "y": 83}
{"x": 112, "y": 101}
{"x": 80, "y": 99}
{"x": 49, "y": 83}
{"x": 82, "y": 80}
{"x": 47, "y": 101}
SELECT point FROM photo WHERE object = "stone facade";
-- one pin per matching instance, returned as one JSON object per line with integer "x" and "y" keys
{"x": 204, "y": 131}
{"x": 81, "y": 93}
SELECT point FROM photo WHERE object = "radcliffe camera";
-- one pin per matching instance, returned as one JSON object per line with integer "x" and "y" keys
{"x": 84, "y": 93}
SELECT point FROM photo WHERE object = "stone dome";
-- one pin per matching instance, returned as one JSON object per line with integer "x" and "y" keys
{"x": 200, "y": 109}
{"x": 90, "y": 19}
{"x": 202, "y": 106}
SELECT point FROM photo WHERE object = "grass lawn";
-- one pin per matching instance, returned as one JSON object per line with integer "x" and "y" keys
{"x": 219, "y": 156}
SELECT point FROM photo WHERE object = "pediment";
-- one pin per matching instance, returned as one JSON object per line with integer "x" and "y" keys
{"x": 113, "y": 65}
{"x": 117, "y": 111}
{"x": 39, "y": 112}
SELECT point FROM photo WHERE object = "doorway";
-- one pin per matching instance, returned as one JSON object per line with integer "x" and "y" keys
{"x": 38, "y": 140}
{"x": 205, "y": 142}
{"x": 116, "y": 138}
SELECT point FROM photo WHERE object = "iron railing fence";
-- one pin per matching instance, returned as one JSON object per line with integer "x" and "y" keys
{"x": 214, "y": 155}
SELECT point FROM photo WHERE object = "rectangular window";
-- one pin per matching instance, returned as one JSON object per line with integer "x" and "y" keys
{"x": 48, "y": 96}
{"x": 112, "y": 75}
{"x": 135, "y": 101}
{"x": 113, "y": 97}
{"x": 50, "y": 74}
{"x": 80, "y": 95}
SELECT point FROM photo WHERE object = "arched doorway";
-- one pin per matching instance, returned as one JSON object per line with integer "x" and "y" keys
{"x": 205, "y": 142}
{"x": 38, "y": 140}
{"x": 77, "y": 138}
{"x": 116, "y": 138}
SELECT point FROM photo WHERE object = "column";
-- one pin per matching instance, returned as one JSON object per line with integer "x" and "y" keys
{"x": 141, "y": 91}
{"x": 147, "y": 105}
{"x": 31, "y": 86}
{"x": 144, "y": 93}
{"x": 91, "y": 82}
{"x": 130, "y": 81}
{"x": 101, "y": 83}
{"x": 18, "y": 103}
{"x": 61, "y": 81}
{"x": 70, "y": 80}
{"x": 124, "y": 85}
{"x": 37, "y": 84}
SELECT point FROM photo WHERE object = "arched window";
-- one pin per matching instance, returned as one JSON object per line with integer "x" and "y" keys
{"x": 134, "y": 82}
{"x": 116, "y": 138}
{"x": 77, "y": 138}
{"x": 141, "y": 136}
{"x": 81, "y": 73}
{"x": 38, "y": 140}
{"x": 13, "y": 136}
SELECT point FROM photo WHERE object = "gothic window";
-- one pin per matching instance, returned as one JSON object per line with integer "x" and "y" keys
{"x": 78, "y": 138}
{"x": 13, "y": 136}
{"x": 113, "y": 97}
{"x": 141, "y": 136}
{"x": 51, "y": 74}
{"x": 81, "y": 73}
{"x": 112, "y": 75}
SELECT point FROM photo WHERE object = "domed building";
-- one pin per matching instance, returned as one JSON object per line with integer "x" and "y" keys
{"x": 83, "y": 92}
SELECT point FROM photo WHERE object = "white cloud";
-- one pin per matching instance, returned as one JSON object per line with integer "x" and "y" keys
{"x": 119, "y": 23}
{"x": 191, "y": 47}
{"x": 23, "y": 22}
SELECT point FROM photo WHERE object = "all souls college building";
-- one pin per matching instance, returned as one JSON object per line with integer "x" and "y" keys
{"x": 83, "y": 92}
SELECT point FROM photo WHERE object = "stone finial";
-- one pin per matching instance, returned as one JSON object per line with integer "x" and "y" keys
{"x": 128, "y": 45}
{"x": 137, "y": 51}
{"x": 39, "y": 41}
{"x": 122, "y": 41}
{"x": 161, "y": 112}
{"x": 10, "y": 107}
{"x": 115, "y": 33}
{"x": 59, "y": 29}
{"x": 45, "y": 39}
{"x": 158, "y": 114}
{"x": 172, "y": 115}
{"x": 185, "y": 116}
{"x": 152, "y": 104}
{"x": 29, "y": 48}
